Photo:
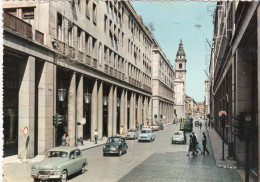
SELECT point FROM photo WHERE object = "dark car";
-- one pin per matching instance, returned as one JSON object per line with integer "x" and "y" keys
{"x": 115, "y": 145}
{"x": 160, "y": 126}
{"x": 197, "y": 123}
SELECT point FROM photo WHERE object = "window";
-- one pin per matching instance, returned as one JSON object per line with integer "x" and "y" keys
{"x": 94, "y": 47}
{"x": 180, "y": 66}
{"x": 77, "y": 152}
{"x": 105, "y": 23}
{"x": 28, "y": 13}
{"x": 100, "y": 54}
{"x": 105, "y": 55}
{"x": 122, "y": 40}
{"x": 59, "y": 27}
{"x": 11, "y": 11}
{"x": 70, "y": 33}
{"x": 79, "y": 39}
{"x": 79, "y": 5}
{"x": 94, "y": 14}
{"x": 87, "y": 9}
{"x": 87, "y": 42}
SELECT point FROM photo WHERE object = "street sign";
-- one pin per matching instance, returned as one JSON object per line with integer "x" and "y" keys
{"x": 25, "y": 131}
{"x": 222, "y": 112}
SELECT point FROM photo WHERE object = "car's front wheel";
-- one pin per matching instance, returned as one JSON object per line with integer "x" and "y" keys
{"x": 36, "y": 180}
{"x": 64, "y": 176}
{"x": 83, "y": 169}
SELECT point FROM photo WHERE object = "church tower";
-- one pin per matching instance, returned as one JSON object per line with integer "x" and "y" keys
{"x": 179, "y": 82}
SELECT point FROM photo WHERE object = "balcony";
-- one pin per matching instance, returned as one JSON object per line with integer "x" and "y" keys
{"x": 106, "y": 68}
{"x": 39, "y": 37}
{"x": 71, "y": 52}
{"x": 17, "y": 25}
{"x": 88, "y": 58}
{"x": 94, "y": 63}
{"x": 111, "y": 71}
{"x": 115, "y": 72}
{"x": 80, "y": 56}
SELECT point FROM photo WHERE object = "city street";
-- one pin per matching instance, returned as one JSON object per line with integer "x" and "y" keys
{"x": 156, "y": 161}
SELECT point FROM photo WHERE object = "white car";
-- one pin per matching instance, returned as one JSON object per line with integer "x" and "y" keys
{"x": 179, "y": 137}
{"x": 146, "y": 135}
{"x": 131, "y": 134}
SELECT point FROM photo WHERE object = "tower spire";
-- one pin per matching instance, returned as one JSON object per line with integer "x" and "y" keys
{"x": 181, "y": 50}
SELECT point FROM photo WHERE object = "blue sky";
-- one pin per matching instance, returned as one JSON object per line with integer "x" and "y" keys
{"x": 189, "y": 21}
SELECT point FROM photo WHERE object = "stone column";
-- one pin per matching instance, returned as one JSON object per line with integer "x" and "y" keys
{"x": 94, "y": 108}
{"x": 45, "y": 109}
{"x": 150, "y": 106}
{"x": 26, "y": 107}
{"x": 138, "y": 120}
{"x": 100, "y": 111}
{"x": 115, "y": 111}
{"x": 122, "y": 110}
{"x": 72, "y": 109}
{"x": 131, "y": 117}
{"x": 258, "y": 81}
{"x": 125, "y": 111}
{"x": 134, "y": 111}
{"x": 110, "y": 112}
{"x": 80, "y": 100}
{"x": 145, "y": 111}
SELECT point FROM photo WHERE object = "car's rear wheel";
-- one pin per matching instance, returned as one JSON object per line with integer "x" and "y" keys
{"x": 64, "y": 176}
{"x": 83, "y": 169}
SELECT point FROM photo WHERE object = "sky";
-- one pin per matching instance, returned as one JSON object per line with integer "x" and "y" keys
{"x": 190, "y": 21}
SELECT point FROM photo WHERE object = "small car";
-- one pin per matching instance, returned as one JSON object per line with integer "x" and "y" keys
{"x": 59, "y": 163}
{"x": 179, "y": 137}
{"x": 160, "y": 126}
{"x": 115, "y": 145}
{"x": 155, "y": 127}
{"x": 146, "y": 135}
{"x": 131, "y": 134}
{"x": 197, "y": 123}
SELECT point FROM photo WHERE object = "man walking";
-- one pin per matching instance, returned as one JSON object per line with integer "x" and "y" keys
{"x": 194, "y": 143}
{"x": 200, "y": 125}
{"x": 96, "y": 136}
{"x": 204, "y": 144}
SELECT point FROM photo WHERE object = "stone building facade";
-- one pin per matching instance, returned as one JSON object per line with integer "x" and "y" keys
{"x": 191, "y": 105}
{"x": 180, "y": 82}
{"x": 162, "y": 87}
{"x": 234, "y": 75}
{"x": 85, "y": 60}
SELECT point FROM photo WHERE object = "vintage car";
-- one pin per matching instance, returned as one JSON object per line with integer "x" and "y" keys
{"x": 155, "y": 127}
{"x": 160, "y": 126}
{"x": 131, "y": 134}
{"x": 179, "y": 137}
{"x": 59, "y": 163}
{"x": 197, "y": 123}
{"x": 146, "y": 135}
{"x": 115, "y": 145}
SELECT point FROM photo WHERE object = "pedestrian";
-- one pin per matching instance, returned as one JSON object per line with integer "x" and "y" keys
{"x": 209, "y": 124}
{"x": 121, "y": 130}
{"x": 141, "y": 126}
{"x": 63, "y": 140}
{"x": 190, "y": 146}
{"x": 96, "y": 136}
{"x": 67, "y": 140}
{"x": 204, "y": 144}
{"x": 200, "y": 125}
{"x": 194, "y": 143}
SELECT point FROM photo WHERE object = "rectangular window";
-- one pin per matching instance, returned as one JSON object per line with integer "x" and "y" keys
{"x": 122, "y": 44}
{"x": 87, "y": 9}
{"x": 94, "y": 14}
{"x": 11, "y": 11}
{"x": 105, "y": 23}
{"x": 70, "y": 33}
{"x": 59, "y": 27}
{"x": 87, "y": 43}
{"x": 79, "y": 42}
{"x": 28, "y": 13}
{"x": 94, "y": 48}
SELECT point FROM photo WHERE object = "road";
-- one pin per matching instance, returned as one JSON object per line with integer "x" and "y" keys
{"x": 157, "y": 161}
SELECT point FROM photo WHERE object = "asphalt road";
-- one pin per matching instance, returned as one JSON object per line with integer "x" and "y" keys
{"x": 157, "y": 161}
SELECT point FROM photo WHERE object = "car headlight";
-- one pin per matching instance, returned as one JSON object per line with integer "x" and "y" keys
{"x": 33, "y": 168}
{"x": 56, "y": 169}
{"x": 116, "y": 147}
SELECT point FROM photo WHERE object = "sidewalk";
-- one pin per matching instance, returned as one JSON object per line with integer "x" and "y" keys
{"x": 216, "y": 144}
{"x": 86, "y": 145}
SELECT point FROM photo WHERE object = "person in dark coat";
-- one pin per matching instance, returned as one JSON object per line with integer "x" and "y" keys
{"x": 194, "y": 143}
{"x": 190, "y": 146}
{"x": 200, "y": 125}
{"x": 63, "y": 140}
{"x": 204, "y": 144}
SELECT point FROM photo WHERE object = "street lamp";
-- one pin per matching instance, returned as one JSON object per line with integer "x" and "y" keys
{"x": 105, "y": 100}
{"x": 118, "y": 102}
{"x": 128, "y": 104}
{"x": 62, "y": 94}
{"x": 87, "y": 98}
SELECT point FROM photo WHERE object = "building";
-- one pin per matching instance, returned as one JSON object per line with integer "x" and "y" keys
{"x": 201, "y": 108}
{"x": 180, "y": 82}
{"x": 207, "y": 97}
{"x": 162, "y": 86}
{"x": 191, "y": 105}
{"x": 89, "y": 61}
{"x": 234, "y": 76}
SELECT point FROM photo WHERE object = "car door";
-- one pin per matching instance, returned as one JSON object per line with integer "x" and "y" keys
{"x": 123, "y": 145}
{"x": 71, "y": 167}
{"x": 78, "y": 160}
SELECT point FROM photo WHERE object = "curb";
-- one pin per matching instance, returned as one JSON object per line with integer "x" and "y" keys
{"x": 211, "y": 147}
{"x": 97, "y": 145}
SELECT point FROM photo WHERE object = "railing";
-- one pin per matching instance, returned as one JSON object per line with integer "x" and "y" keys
{"x": 39, "y": 36}
{"x": 80, "y": 56}
{"x": 111, "y": 71}
{"x": 17, "y": 25}
{"x": 115, "y": 72}
{"x": 88, "y": 58}
{"x": 71, "y": 52}
{"x": 123, "y": 76}
{"x": 61, "y": 47}
{"x": 94, "y": 63}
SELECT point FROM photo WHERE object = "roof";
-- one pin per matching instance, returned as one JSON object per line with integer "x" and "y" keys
{"x": 181, "y": 50}
{"x": 64, "y": 148}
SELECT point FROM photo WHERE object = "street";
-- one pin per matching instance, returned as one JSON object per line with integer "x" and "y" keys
{"x": 156, "y": 161}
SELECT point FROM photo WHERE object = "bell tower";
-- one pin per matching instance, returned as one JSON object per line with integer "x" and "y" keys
{"x": 180, "y": 64}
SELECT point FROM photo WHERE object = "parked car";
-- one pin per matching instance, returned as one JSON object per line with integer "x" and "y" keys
{"x": 160, "y": 126}
{"x": 155, "y": 127}
{"x": 179, "y": 137}
{"x": 59, "y": 163}
{"x": 197, "y": 123}
{"x": 146, "y": 135}
{"x": 131, "y": 134}
{"x": 115, "y": 145}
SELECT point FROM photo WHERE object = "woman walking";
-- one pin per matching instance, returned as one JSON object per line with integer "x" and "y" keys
{"x": 190, "y": 147}
{"x": 67, "y": 140}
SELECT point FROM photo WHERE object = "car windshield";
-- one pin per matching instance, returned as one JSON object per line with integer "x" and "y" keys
{"x": 114, "y": 140}
{"x": 145, "y": 131}
{"x": 59, "y": 154}
{"x": 178, "y": 133}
